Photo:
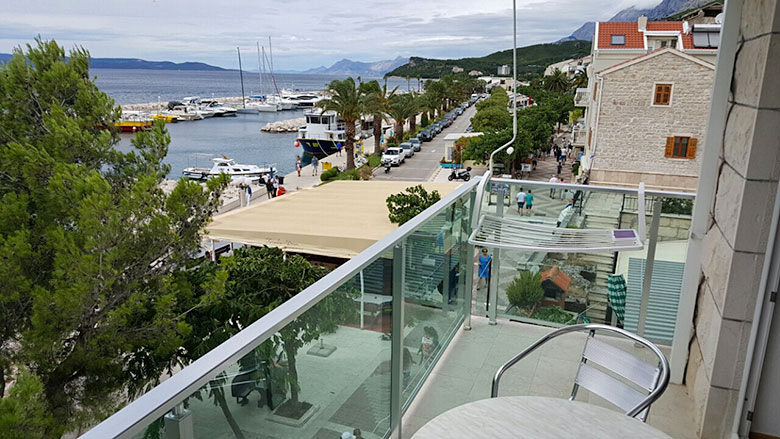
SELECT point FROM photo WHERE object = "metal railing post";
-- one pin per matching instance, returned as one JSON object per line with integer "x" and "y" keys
{"x": 396, "y": 345}
{"x": 649, "y": 264}
{"x": 496, "y": 266}
{"x": 468, "y": 264}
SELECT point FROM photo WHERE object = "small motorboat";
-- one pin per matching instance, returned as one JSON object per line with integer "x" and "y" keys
{"x": 220, "y": 109}
{"x": 132, "y": 121}
{"x": 224, "y": 165}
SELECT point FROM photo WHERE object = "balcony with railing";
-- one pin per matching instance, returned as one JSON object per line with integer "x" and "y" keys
{"x": 581, "y": 97}
{"x": 403, "y": 357}
{"x": 579, "y": 136}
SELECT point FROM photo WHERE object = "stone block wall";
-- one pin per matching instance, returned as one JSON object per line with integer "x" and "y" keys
{"x": 735, "y": 244}
{"x": 631, "y": 133}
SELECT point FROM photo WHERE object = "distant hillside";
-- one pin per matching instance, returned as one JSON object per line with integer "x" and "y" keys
{"x": 135, "y": 63}
{"x": 347, "y": 67}
{"x": 664, "y": 9}
{"x": 530, "y": 59}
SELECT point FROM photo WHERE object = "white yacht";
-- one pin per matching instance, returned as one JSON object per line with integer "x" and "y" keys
{"x": 194, "y": 105}
{"x": 220, "y": 109}
{"x": 224, "y": 165}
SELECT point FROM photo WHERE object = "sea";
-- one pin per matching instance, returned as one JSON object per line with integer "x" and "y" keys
{"x": 237, "y": 137}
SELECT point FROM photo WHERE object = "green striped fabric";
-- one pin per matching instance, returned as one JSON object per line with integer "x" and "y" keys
{"x": 616, "y": 285}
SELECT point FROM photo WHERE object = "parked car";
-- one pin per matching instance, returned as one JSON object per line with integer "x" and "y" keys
{"x": 447, "y": 121}
{"x": 395, "y": 156}
{"x": 425, "y": 135}
{"x": 408, "y": 148}
{"x": 416, "y": 143}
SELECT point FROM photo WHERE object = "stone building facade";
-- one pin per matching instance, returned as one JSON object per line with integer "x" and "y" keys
{"x": 631, "y": 133}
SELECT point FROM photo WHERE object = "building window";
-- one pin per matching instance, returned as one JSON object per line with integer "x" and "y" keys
{"x": 618, "y": 40}
{"x": 663, "y": 94}
{"x": 679, "y": 147}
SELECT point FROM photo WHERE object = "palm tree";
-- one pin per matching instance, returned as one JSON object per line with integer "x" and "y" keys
{"x": 580, "y": 80}
{"x": 376, "y": 101}
{"x": 400, "y": 108}
{"x": 434, "y": 90}
{"x": 557, "y": 82}
{"x": 346, "y": 101}
{"x": 416, "y": 107}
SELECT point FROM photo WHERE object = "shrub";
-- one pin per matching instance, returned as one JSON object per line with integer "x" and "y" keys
{"x": 677, "y": 206}
{"x": 525, "y": 291}
{"x": 374, "y": 161}
{"x": 424, "y": 121}
{"x": 554, "y": 314}
{"x": 392, "y": 144}
{"x": 365, "y": 173}
{"x": 330, "y": 174}
{"x": 406, "y": 205}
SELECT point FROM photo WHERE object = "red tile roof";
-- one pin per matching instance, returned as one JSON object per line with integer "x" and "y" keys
{"x": 557, "y": 277}
{"x": 635, "y": 38}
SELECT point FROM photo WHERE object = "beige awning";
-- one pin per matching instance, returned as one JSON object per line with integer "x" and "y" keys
{"x": 339, "y": 219}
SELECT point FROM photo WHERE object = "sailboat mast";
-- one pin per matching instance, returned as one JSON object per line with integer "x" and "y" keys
{"x": 241, "y": 75}
{"x": 260, "y": 68}
{"x": 271, "y": 64}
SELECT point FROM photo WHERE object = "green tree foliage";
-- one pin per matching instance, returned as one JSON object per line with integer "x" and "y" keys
{"x": 491, "y": 119}
{"x": 557, "y": 82}
{"x": 408, "y": 204}
{"x": 400, "y": 108}
{"x": 525, "y": 290}
{"x": 347, "y": 101}
{"x": 580, "y": 80}
{"x": 90, "y": 243}
{"x": 24, "y": 413}
{"x": 530, "y": 59}
{"x": 498, "y": 98}
{"x": 376, "y": 100}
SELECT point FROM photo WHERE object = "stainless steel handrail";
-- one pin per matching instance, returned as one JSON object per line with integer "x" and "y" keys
{"x": 663, "y": 379}
{"x": 596, "y": 188}
{"x": 155, "y": 403}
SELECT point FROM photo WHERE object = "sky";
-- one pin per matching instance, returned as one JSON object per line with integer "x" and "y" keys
{"x": 305, "y": 33}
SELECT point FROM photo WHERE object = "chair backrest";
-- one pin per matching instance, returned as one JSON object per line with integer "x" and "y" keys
{"x": 619, "y": 377}
{"x": 612, "y": 364}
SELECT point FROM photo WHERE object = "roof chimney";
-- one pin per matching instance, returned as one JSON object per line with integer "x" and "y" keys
{"x": 641, "y": 23}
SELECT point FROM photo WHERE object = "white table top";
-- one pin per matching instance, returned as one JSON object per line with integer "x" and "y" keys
{"x": 534, "y": 417}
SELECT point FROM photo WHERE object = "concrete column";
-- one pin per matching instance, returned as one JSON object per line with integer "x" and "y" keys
{"x": 734, "y": 246}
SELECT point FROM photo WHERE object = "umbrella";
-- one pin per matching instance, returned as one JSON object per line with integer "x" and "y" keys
{"x": 616, "y": 285}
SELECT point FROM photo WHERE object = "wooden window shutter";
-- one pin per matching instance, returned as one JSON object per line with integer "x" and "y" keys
{"x": 590, "y": 135}
{"x": 595, "y": 91}
{"x": 691, "y": 148}
{"x": 670, "y": 147}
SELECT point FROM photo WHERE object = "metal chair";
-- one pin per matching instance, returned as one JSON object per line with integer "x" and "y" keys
{"x": 651, "y": 379}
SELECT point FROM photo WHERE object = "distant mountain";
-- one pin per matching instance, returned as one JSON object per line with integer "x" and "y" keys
{"x": 530, "y": 59}
{"x": 347, "y": 67}
{"x": 663, "y": 10}
{"x": 135, "y": 63}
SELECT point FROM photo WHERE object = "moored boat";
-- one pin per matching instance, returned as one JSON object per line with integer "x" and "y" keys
{"x": 224, "y": 165}
{"x": 132, "y": 121}
{"x": 322, "y": 134}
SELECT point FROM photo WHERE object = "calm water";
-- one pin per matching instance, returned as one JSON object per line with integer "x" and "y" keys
{"x": 237, "y": 137}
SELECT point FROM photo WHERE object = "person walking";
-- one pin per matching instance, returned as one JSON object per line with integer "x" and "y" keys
{"x": 248, "y": 194}
{"x": 560, "y": 168}
{"x": 529, "y": 202}
{"x": 553, "y": 179}
{"x": 338, "y": 148}
{"x": 533, "y": 163}
{"x": 269, "y": 187}
{"x": 483, "y": 271}
{"x": 315, "y": 166}
{"x": 298, "y": 164}
{"x": 520, "y": 201}
{"x": 275, "y": 183}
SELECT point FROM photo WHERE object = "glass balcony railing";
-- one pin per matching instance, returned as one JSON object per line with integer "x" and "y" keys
{"x": 581, "y": 97}
{"x": 578, "y": 136}
{"x": 390, "y": 314}
{"x": 575, "y": 287}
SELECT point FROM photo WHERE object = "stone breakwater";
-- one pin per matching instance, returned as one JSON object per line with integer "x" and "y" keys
{"x": 284, "y": 126}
